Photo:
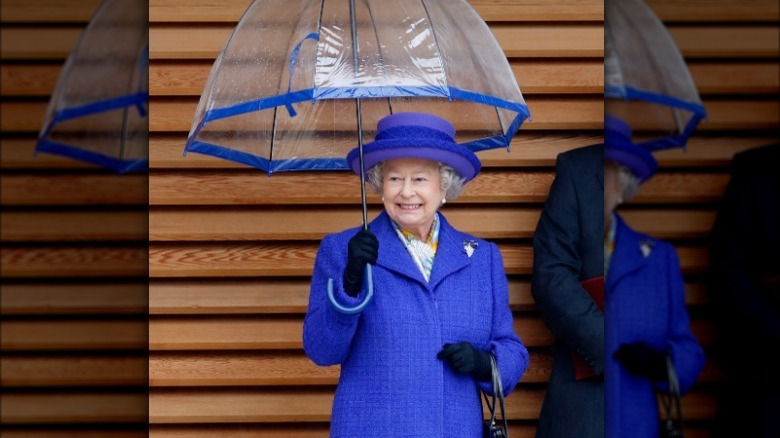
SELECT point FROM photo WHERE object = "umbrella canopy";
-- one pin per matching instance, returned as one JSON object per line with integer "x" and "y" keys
{"x": 97, "y": 112}
{"x": 299, "y": 79}
{"x": 647, "y": 83}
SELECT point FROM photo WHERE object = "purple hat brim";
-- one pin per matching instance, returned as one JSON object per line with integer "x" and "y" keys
{"x": 638, "y": 159}
{"x": 460, "y": 158}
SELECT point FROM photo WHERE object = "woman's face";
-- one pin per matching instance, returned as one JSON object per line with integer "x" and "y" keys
{"x": 612, "y": 192}
{"x": 411, "y": 193}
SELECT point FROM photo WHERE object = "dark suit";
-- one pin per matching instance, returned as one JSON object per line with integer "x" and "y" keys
{"x": 569, "y": 248}
{"x": 744, "y": 290}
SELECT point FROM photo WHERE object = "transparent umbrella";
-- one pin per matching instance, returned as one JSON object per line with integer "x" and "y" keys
{"x": 647, "y": 83}
{"x": 301, "y": 82}
{"x": 98, "y": 110}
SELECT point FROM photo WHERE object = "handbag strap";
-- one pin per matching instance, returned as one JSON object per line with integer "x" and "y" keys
{"x": 498, "y": 394}
{"x": 672, "y": 402}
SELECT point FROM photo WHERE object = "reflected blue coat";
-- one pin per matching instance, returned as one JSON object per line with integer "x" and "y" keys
{"x": 645, "y": 301}
{"x": 391, "y": 383}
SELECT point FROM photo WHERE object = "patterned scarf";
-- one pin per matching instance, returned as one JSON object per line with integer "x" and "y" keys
{"x": 422, "y": 253}
{"x": 609, "y": 243}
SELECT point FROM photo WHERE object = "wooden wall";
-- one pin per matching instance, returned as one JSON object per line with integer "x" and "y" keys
{"x": 232, "y": 250}
{"x": 74, "y": 254}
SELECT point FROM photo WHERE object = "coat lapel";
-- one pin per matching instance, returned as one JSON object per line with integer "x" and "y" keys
{"x": 450, "y": 255}
{"x": 627, "y": 256}
{"x": 392, "y": 253}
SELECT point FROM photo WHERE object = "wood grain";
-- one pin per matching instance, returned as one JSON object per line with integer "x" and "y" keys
{"x": 83, "y": 261}
{"x": 39, "y": 408}
{"x": 47, "y": 370}
{"x": 58, "y": 298}
{"x": 73, "y": 335}
{"x": 74, "y": 189}
{"x": 74, "y": 226}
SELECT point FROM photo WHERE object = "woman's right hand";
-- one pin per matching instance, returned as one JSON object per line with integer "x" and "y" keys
{"x": 362, "y": 249}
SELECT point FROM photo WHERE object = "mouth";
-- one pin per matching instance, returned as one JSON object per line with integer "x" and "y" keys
{"x": 409, "y": 207}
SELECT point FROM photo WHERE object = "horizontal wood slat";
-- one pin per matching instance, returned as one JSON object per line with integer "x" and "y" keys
{"x": 272, "y": 369}
{"x": 74, "y": 226}
{"x": 725, "y": 41}
{"x": 272, "y": 333}
{"x": 73, "y": 432}
{"x": 74, "y": 370}
{"x": 267, "y": 296}
{"x": 269, "y": 405}
{"x": 72, "y": 335}
{"x": 48, "y": 11}
{"x": 187, "y": 78}
{"x": 713, "y": 11}
{"x": 82, "y": 189}
{"x": 72, "y": 408}
{"x": 256, "y": 188}
{"x": 289, "y": 259}
{"x": 74, "y": 299}
{"x": 528, "y": 149}
{"x": 205, "y": 41}
{"x": 178, "y": 11}
{"x": 294, "y": 223}
{"x": 83, "y": 261}
{"x": 19, "y": 153}
{"x": 569, "y": 112}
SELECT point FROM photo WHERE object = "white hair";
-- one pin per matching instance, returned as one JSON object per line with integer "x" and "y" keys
{"x": 628, "y": 183}
{"x": 451, "y": 181}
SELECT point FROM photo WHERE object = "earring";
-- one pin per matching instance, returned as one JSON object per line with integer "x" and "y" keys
{"x": 383, "y": 199}
{"x": 443, "y": 201}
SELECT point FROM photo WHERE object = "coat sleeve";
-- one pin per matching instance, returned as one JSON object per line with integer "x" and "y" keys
{"x": 327, "y": 333}
{"x": 686, "y": 353}
{"x": 567, "y": 309}
{"x": 511, "y": 355}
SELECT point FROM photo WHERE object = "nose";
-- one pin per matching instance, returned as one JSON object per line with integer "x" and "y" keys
{"x": 408, "y": 190}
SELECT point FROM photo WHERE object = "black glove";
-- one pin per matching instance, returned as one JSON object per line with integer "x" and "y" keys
{"x": 362, "y": 249}
{"x": 464, "y": 359}
{"x": 641, "y": 359}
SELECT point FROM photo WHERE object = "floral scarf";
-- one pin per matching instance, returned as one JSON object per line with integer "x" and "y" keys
{"x": 422, "y": 253}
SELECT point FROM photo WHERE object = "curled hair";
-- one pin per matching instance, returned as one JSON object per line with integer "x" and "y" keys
{"x": 451, "y": 181}
{"x": 627, "y": 182}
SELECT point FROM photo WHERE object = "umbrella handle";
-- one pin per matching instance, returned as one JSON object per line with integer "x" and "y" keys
{"x": 368, "y": 284}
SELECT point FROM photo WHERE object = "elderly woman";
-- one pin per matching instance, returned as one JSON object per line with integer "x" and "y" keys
{"x": 645, "y": 318}
{"x": 413, "y": 360}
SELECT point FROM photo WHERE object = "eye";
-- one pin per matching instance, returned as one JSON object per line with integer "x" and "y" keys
{"x": 420, "y": 179}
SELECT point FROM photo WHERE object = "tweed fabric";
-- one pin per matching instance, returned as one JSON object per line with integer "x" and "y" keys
{"x": 391, "y": 382}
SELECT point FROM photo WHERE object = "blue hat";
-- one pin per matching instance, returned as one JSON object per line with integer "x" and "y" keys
{"x": 619, "y": 148}
{"x": 416, "y": 135}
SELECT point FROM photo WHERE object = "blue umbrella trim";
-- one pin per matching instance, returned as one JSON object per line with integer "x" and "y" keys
{"x": 680, "y": 140}
{"x": 120, "y": 166}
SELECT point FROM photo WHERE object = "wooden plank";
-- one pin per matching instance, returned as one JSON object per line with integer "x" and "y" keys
{"x": 297, "y": 259}
{"x": 720, "y": 78}
{"x": 72, "y": 335}
{"x": 179, "y": 11}
{"x": 85, "y": 261}
{"x": 705, "y": 41}
{"x": 709, "y": 151}
{"x": 48, "y": 11}
{"x": 504, "y": 186}
{"x": 528, "y": 149}
{"x": 273, "y": 369}
{"x": 23, "y": 371}
{"x": 83, "y": 189}
{"x": 38, "y": 42}
{"x": 568, "y": 112}
{"x": 19, "y": 153}
{"x": 205, "y": 41}
{"x": 252, "y": 296}
{"x": 29, "y": 79}
{"x": 236, "y": 224}
{"x": 51, "y": 407}
{"x": 74, "y": 226}
{"x": 278, "y": 333}
{"x": 282, "y": 405}
{"x": 713, "y": 11}
{"x": 187, "y": 78}
{"x": 671, "y": 224}
{"x": 71, "y": 432}
{"x": 273, "y": 260}
{"x": 60, "y": 298}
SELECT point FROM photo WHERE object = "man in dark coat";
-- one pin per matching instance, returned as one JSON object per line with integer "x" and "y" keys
{"x": 568, "y": 249}
{"x": 744, "y": 289}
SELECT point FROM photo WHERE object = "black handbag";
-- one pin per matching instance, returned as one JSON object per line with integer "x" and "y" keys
{"x": 491, "y": 428}
{"x": 672, "y": 424}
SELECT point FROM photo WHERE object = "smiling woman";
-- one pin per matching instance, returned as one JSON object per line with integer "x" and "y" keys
{"x": 441, "y": 310}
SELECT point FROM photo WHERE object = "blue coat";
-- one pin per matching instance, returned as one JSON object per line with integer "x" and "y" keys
{"x": 569, "y": 248}
{"x": 391, "y": 382}
{"x": 644, "y": 301}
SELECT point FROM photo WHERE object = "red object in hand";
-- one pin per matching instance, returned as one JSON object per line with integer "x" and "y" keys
{"x": 595, "y": 288}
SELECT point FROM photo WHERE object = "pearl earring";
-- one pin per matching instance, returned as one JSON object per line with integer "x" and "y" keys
{"x": 443, "y": 201}
{"x": 383, "y": 199}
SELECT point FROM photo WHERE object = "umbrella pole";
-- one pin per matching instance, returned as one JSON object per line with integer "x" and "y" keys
{"x": 359, "y": 116}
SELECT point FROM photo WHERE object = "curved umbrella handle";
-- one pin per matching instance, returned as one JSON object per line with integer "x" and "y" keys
{"x": 368, "y": 284}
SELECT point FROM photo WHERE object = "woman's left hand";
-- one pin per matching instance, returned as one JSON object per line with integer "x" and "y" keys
{"x": 465, "y": 359}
